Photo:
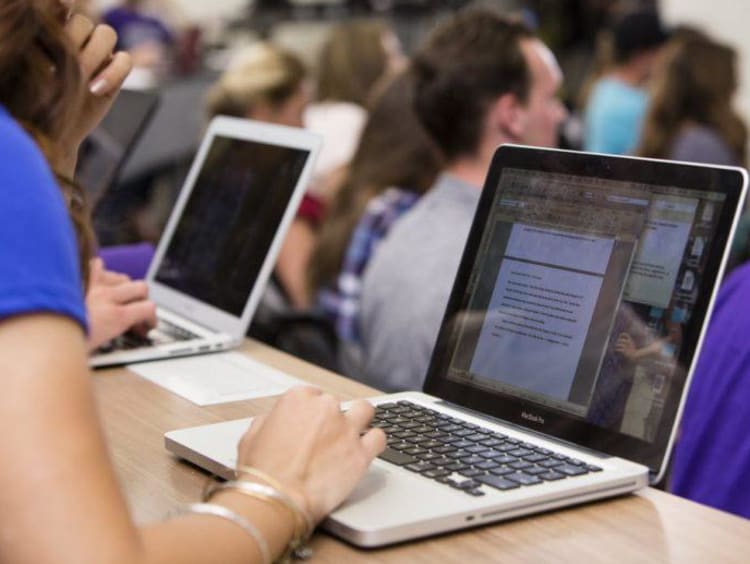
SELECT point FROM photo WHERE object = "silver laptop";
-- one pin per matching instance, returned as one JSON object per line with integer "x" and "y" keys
{"x": 565, "y": 353}
{"x": 222, "y": 239}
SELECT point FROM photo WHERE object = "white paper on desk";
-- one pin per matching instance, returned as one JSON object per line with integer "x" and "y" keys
{"x": 216, "y": 378}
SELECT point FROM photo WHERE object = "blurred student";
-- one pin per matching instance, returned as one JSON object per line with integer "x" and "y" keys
{"x": 396, "y": 162}
{"x": 356, "y": 55}
{"x": 691, "y": 117}
{"x": 507, "y": 80}
{"x": 59, "y": 497}
{"x": 264, "y": 82}
{"x": 617, "y": 103}
{"x": 267, "y": 83}
{"x": 142, "y": 33}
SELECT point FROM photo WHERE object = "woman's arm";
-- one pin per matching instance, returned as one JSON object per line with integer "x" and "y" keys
{"x": 60, "y": 501}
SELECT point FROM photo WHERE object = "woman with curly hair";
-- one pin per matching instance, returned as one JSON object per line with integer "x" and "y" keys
{"x": 59, "y": 498}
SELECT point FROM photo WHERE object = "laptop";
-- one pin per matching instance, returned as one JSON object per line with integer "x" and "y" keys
{"x": 222, "y": 239}
{"x": 565, "y": 353}
{"x": 106, "y": 149}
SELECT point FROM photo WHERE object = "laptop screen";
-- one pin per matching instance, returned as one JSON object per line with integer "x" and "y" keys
{"x": 105, "y": 150}
{"x": 583, "y": 299}
{"x": 229, "y": 222}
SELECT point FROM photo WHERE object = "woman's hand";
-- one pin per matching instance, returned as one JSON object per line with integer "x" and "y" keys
{"x": 626, "y": 347}
{"x": 115, "y": 304}
{"x": 103, "y": 72}
{"x": 314, "y": 449}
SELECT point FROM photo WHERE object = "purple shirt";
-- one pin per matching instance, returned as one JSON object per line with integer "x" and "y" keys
{"x": 134, "y": 28}
{"x": 712, "y": 456}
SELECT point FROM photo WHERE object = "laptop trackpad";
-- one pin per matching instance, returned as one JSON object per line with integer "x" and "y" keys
{"x": 389, "y": 496}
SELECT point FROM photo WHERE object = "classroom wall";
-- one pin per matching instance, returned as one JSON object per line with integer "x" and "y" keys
{"x": 728, "y": 21}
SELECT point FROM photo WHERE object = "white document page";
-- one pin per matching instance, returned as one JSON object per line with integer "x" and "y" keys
{"x": 539, "y": 316}
{"x": 660, "y": 252}
{"x": 216, "y": 378}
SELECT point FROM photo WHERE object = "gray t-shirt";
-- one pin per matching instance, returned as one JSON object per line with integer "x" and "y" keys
{"x": 701, "y": 144}
{"x": 408, "y": 282}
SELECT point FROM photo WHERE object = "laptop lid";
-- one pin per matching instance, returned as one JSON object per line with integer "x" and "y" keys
{"x": 223, "y": 237}
{"x": 106, "y": 149}
{"x": 583, "y": 293}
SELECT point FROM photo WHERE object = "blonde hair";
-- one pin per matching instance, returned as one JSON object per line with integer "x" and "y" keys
{"x": 261, "y": 74}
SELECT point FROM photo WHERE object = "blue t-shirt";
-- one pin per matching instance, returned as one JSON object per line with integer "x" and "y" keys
{"x": 39, "y": 264}
{"x": 614, "y": 117}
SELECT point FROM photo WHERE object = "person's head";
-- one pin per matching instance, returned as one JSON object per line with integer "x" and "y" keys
{"x": 354, "y": 57}
{"x": 40, "y": 83}
{"x": 393, "y": 151}
{"x": 42, "y": 88}
{"x": 695, "y": 85}
{"x": 637, "y": 41}
{"x": 265, "y": 83}
{"x": 482, "y": 80}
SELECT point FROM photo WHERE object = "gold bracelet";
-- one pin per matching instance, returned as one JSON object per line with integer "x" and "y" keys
{"x": 273, "y": 482}
{"x": 296, "y": 547}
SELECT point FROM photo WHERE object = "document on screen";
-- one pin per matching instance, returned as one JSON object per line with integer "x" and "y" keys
{"x": 541, "y": 309}
{"x": 660, "y": 251}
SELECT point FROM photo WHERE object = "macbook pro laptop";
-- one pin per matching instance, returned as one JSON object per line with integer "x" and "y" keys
{"x": 565, "y": 353}
{"x": 222, "y": 239}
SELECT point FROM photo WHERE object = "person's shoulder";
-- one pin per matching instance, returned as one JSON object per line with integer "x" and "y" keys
{"x": 391, "y": 203}
{"x": 21, "y": 160}
{"x": 612, "y": 96}
{"x": 31, "y": 194}
{"x": 700, "y": 143}
{"x": 333, "y": 115}
{"x": 602, "y": 91}
{"x": 701, "y": 135}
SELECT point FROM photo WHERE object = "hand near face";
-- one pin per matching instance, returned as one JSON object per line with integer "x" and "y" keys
{"x": 103, "y": 73}
{"x": 626, "y": 346}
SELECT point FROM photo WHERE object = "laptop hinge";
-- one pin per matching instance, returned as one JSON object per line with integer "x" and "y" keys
{"x": 523, "y": 429}
{"x": 182, "y": 317}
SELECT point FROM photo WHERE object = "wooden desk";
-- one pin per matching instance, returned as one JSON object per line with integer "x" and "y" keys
{"x": 648, "y": 527}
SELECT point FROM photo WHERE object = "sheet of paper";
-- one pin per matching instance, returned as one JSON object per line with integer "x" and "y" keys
{"x": 216, "y": 378}
{"x": 541, "y": 309}
{"x": 661, "y": 250}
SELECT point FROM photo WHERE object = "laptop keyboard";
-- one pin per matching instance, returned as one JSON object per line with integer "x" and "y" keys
{"x": 164, "y": 333}
{"x": 465, "y": 456}
{"x": 170, "y": 332}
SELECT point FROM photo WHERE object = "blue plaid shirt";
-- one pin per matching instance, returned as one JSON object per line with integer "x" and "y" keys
{"x": 341, "y": 303}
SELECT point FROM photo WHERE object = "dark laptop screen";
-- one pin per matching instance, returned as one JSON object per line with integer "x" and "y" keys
{"x": 230, "y": 220}
{"x": 583, "y": 300}
{"x": 105, "y": 150}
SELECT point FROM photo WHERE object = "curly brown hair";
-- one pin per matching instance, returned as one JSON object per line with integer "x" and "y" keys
{"x": 41, "y": 87}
